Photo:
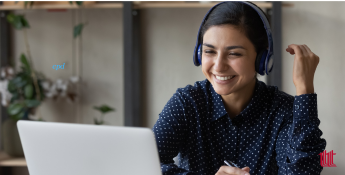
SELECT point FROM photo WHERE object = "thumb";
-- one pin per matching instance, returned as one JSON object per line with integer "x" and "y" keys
{"x": 246, "y": 169}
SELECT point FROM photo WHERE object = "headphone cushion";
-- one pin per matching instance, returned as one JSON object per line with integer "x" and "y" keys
{"x": 259, "y": 69}
{"x": 199, "y": 54}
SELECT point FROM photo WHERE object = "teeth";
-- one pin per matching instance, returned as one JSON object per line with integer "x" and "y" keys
{"x": 224, "y": 78}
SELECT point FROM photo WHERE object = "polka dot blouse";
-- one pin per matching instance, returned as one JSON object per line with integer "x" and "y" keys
{"x": 275, "y": 134}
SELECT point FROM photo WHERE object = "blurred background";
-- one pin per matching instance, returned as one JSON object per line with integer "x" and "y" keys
{"x": 115, "y": 64}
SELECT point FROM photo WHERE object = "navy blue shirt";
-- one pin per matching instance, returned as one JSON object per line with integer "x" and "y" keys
{"x": 275, "y": 134}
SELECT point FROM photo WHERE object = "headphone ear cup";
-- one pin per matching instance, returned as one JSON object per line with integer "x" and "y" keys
{"x": 199, "y": 54}
{"x": 260, "y": 62}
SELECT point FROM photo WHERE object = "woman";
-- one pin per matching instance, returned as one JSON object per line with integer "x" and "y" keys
{"x": 233, "y": 116}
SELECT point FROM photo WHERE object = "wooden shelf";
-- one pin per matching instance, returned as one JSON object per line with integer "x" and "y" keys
{"x": 6, "y": 160}
{"x": 136, "y": 5}
{"x": 61, "y": 6}
{"x": 195, "y": 4}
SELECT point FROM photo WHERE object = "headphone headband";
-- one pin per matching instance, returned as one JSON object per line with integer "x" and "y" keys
{"x": 268, "y": 62}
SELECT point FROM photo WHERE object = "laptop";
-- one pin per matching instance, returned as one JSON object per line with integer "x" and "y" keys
{"x": 80, "y": 149}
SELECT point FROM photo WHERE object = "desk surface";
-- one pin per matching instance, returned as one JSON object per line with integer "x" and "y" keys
{"x": 6, "y": 160}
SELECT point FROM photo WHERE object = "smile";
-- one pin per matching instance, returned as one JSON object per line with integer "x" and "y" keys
{"x": 225, "y": 78}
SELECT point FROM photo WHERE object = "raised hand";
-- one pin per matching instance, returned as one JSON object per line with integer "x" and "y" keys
{"x": 304, "y": 67}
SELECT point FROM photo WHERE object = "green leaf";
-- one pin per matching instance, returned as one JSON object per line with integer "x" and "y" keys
{"x": 15, "y": 21}
{"x": 18, "y": 116}
{"x": 25, "y": 63}
{"x": 18, "y": 82}
{"x": 32, "y": 103}
{"x": 11, "y": 87}
{"x": 104, "y": 109}
{"x": 21, "y": 79}
{"x": 26, "y": 76}
{"x": 28, "y": 91}
{"x": 15, "y": 108}
{"x": 11, "y": 18}
{"x": 79, "y": 3}
{"x": 15, "y": 96}
{"x": 27, "y": 2}
{"x": 25, "y": 70}
{"x": 41, "y": 90}
{"x": 77, "y": 30}
{"x": 24, "y": 22}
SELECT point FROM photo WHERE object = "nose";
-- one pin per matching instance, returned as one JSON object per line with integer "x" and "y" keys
{"x": 221, "y": 64}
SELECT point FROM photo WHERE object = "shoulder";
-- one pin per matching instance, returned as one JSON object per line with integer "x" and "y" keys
{"x": 281, "y": 102}
{"x": 197, "y": 88}
{"x": 194, "y": 92}
{"x": 279, "y": 97}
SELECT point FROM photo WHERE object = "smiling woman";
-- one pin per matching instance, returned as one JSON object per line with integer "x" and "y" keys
{"x": 228, "y": 53}
{"x": 233, "y": 116}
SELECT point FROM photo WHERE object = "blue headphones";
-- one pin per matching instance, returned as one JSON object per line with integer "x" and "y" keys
{"x": 263, "y": 62}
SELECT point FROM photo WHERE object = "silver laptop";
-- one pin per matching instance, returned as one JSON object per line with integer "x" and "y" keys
{"x": 80, "y": 149}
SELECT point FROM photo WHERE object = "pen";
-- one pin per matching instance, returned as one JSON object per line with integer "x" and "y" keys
{"x": 226, "y": 162}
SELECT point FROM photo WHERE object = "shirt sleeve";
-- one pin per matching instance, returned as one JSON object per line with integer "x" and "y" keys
{"x": 170, "y": 130}
{"x": 299, "y": 141}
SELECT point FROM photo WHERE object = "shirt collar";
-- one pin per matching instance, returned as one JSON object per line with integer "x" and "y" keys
{"x": 218, "y": 109}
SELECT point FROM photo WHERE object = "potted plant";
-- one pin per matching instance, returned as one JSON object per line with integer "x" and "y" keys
{"x": 22, "y": 100}
{"x": 103, "y": 109}
{"x": 23, "y": 92}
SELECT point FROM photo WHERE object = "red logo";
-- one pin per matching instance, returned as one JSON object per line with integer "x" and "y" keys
{"x": 326, "y": 159}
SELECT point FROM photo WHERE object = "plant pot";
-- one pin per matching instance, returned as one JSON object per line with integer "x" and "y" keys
{"x": 10, "y": 138}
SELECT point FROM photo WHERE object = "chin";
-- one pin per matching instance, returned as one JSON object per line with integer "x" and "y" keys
{"x": 222, "y": 90}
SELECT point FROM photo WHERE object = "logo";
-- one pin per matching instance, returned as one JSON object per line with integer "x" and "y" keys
{"x": 59, "y": 66}
{"x": 326, "y": 159}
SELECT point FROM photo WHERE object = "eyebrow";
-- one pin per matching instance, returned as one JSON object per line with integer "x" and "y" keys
{"x": 227, "y": 48}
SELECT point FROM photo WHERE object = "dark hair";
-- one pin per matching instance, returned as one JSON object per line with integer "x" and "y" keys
{"x": 242, "y": 16}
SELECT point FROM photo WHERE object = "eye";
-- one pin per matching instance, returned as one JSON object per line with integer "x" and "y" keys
{"x": 209, "y": 51}
{"x": 236, "y": 54}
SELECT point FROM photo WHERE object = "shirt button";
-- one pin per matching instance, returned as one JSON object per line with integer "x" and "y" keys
{"x": 297, "y": 107}
{"x": 232, "y": 128}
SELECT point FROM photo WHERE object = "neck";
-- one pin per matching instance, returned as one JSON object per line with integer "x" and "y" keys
{"x": 236, "y": 102}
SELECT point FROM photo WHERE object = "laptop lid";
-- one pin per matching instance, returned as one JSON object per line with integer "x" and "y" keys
{"x": 81, "y": 149}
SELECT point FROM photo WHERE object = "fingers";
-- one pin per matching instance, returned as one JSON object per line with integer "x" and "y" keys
{"x": 302, "y": 50}
{"x": 307, "y": 48}
{"x": 295, "y": 48}
{"x": 290, "y": 50}
{"x": 312, "y": 54}
{"x": 246, "y": 169}
{"x": 231, "y": 171}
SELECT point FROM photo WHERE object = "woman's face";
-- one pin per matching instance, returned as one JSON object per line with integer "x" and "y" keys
{"x": 227, "y": 52}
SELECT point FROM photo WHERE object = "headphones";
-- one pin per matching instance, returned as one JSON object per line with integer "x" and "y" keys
{"x": 263, "y": 61}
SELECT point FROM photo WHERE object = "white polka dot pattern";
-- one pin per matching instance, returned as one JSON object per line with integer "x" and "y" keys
{"x": 275, "y": 134}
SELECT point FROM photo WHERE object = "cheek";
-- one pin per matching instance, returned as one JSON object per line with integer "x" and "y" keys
{"x": 205, "y": 69}
{"x": 242, "y": 67}
{"x": 206, "y": 64}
